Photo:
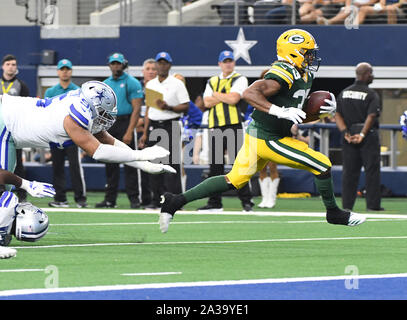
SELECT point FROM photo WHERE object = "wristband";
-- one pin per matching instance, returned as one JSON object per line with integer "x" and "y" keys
{"x": 362, "y": 134}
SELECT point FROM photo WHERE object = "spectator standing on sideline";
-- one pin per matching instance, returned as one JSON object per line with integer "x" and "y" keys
{"x": 357, "y": 117}
{"x": 13, "y": 86}
{"x": 71, "y": 151}
{"x": 129, "y": 99}
{"x": 166, "y": 117}
{"x": 222, "y": 96}
{"x": 149, "y": 72}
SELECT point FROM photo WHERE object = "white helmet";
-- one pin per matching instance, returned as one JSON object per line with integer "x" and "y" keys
{"x": 103, "y": 103}
{"x": 31, "y": 222}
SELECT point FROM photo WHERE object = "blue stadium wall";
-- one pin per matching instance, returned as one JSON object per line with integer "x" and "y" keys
{"x": 200, "y": 46}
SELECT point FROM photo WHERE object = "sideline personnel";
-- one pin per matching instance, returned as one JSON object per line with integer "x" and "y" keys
{"x": 357, "y": 117}
{"x": 64, "y": 71}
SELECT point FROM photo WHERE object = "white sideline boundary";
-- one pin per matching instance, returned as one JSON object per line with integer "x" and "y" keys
{"x": 225, "y": 213}
{"x": 7, "y": 293}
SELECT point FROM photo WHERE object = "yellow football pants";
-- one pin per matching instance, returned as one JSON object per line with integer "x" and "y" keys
{"x": 255, "y": 153}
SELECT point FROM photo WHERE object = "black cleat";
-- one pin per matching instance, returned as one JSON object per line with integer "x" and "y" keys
{"x": 170, "y": 203}
{"x": 346, "y": 218}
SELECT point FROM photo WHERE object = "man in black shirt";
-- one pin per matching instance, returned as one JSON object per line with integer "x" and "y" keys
{"x": 357, "y": 117}
{"x": 13, "y": 86}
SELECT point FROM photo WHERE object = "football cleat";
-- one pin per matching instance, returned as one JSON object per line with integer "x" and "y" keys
{"x": 356, "y": 219}
{"x": 7, "y": 252}
{"x": 170, "y": 203}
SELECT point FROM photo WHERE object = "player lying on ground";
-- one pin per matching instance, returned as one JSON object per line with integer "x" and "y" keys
{"x": 278, "y": 100}
{"x": 80, "y": 117}
{"x": 23, "y": 220}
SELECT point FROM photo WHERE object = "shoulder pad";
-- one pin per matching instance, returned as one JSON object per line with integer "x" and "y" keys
{"x": 80, "y": 111}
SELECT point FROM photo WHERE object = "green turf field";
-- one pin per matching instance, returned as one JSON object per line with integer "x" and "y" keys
{"x": 111, "y": 247}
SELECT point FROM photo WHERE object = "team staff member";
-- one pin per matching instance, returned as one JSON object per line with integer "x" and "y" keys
{"x": 129, "y": 99}
{"x": 357, "y": 117}
{"x": 167, "y": 117}
{"x": 223, "y": 96}
{"x": 13, "y": 86}
{"x": 64, "y": 71}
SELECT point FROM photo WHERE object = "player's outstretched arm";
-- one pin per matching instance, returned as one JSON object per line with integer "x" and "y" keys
{"x": 110, "y": 149}
{"x": 34, "y": 188}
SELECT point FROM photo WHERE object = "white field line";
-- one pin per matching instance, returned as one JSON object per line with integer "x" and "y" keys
{"x": 6, "y": 293}
{"x": 200, "y": 222}
{"x": 206, "y": 242}
{"x": 22, "y": 270}
{"x": 151, "y": 274}
{"x": 227, "y": 213}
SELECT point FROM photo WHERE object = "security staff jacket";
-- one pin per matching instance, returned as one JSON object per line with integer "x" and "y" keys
{"x": 355, "y": 103}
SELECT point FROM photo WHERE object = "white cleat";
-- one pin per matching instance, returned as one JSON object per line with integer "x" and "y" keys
{"x": 356, "y": 219}
{"x": 164, "y": 221}
{"x": 6, "y": 253}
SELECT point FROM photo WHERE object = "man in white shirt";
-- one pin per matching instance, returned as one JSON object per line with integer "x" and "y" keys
{"x": 164, "y": 126}
{"x": 223, "y": 99}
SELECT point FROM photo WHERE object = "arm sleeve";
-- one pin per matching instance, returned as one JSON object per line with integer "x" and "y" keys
{"x": 134, "y": 88}
{"x": 374, "y": 104}
{"x": 240, "y": 85}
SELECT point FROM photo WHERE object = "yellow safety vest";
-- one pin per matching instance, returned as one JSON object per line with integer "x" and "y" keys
{"x": 223, "y": 114}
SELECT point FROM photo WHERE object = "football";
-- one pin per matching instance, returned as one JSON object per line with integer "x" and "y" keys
{"x": 313, "y": 104}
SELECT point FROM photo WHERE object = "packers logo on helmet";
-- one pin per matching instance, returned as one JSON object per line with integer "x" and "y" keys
{"x": 299, "y": 48}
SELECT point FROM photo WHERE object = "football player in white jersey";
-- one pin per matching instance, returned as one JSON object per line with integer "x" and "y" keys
{"x": 23, "y": 220}
{"x": 81, "y": 117}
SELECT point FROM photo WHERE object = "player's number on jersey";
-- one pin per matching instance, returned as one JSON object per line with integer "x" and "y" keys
{"x": 301, "y": 93}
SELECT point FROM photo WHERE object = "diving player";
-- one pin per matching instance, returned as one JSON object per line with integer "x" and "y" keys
{"x": 80, "y": 117}
{"x": 278, "y": 100}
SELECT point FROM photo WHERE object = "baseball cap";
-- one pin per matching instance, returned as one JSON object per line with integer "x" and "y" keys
{"x": 116, "y": 57}
{"x": 226, "y": 55}
{"x": 64, "y": 63}
{"x": 163, "y": 55}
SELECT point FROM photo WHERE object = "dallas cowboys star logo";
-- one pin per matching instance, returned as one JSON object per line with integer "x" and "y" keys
{"x": 241, "y": 46}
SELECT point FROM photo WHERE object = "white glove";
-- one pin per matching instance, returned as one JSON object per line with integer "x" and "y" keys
{"x": 151, "y": 153}
{"x": 331, "y": 107}
{"x": 38, "y": 189}
{"x": 293, "y": 114}
{"x": 152, "y": 168}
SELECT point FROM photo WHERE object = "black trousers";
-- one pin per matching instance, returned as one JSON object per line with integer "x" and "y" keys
{"x": 366, "y": 154}
{"x": 221, "y": 140}
{"x": 168, "y": 135}
{"x": 113, "y": 169}
{"x": 75, "y": 171}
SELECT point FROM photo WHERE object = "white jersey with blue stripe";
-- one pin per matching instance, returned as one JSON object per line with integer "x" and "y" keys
{"x": 8, "y": 202}
{"x": 35, "y": 122}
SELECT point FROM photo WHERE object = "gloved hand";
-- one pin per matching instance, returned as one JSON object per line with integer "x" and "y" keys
{"x": 330, "y": 107}
{"x": 38, "y": 189}
{"x": 403, "y": 123}
{"x": 295, "y": 115}
{"x": 152, "y": 168}
{"x": 151, "y": 153}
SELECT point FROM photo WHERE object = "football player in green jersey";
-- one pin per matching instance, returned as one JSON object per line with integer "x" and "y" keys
{"x": 278, "y": 100}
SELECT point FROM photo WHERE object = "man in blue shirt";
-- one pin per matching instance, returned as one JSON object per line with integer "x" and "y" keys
{"x": 64, "y": 71}
{"x": 129, "y": 100}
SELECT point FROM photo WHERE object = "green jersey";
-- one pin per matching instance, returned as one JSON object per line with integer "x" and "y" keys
{"x": 294, "y": 89}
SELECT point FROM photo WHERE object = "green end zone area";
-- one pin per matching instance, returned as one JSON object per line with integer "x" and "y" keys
{"x": 91, "y": 247}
